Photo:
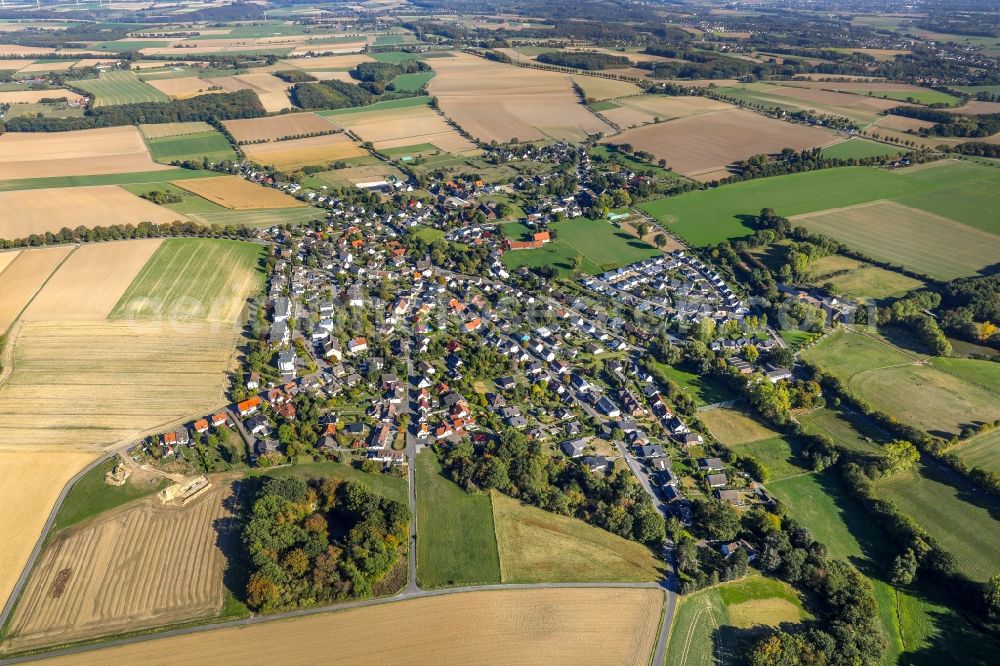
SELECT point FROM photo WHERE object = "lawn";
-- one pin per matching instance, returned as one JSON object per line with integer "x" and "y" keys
{"x": 719, "y": 625}
{"x": 120, "y": 87}
{"x": 733, "y": 427}
{"x": 209, "y": 145}
{"x": 981, "y": 451}
{"x": 537, "y": 546}
{"x": 859, "y": 148}
{"x": 91, "y": 495}
{"x": 601, "y": 246}
{"x": 848, "y": 429}
{"x": 193, "y": 278}
{"x": 457, "y": 543}
{"x": 960, "y": 518}
{"x": 957, "y": 190}
{"x": 704, "y": 390}
{"x": 412, "y": 82}
{"x": 392, "y": 487}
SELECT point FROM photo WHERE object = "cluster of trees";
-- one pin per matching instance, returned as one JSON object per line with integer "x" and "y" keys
{"x": 330, "y": 95}
{"x": 383, "y": 72}
{"x": 83, "y": 234}
{"x": 970, "y": 309}
{"x": 911, "y": 311}
{"x": 587, "y": 60}
{"x": 294, "y": 76}
{"x": 520, "y": 468}
{"x": 162, "y": 197}
{"x": 951, "y": 124}
{"x": 210, "y": 107}
{"x": 320, "y": 542}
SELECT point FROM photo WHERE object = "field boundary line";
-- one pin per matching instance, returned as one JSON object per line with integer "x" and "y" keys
{"x": 45, "y": 282}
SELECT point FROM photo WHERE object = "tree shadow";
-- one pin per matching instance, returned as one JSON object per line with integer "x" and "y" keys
{"x": 236, "y": 571}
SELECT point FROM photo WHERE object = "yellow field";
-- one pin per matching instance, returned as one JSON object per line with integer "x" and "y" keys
{"x": 345, "y": 62}
{"x": 23, "y": 277}
{"x": 83, "y": 152}
{"x": 408, "y": 126}
{"x": 165, "y": 567}
{"x": 271, "y": 90}
{"x": 83, "y": 288}
{"x": 275, "y": 128}
{"x": 600, "y": 89}
{"x": 297, "y": 153}
{"x": 29, "y": 212}
{"x": 32, "y": 480}
{"x": 647, "y": 108}
{"x": 32, "y": 96}
{"x": 184, "y": 86}
{"x": 568, "y": 626}
{"x": 161, "y": 130}
{"x": 7, "y": 257}
{"x": 236, "y": 193}
{"x": 491, "y": 101}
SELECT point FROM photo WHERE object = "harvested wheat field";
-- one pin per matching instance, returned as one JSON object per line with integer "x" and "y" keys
{"x": 701, "y": 146}
{"x": 163, "y": 130}
{"x": 903, "y": 123}
{"x": 29, "y": 212}
{"x": 142, "y": 565}
{"x": 490, "y": 100}
{"x": 237, "y": 193}
{"x": 32, "y": 480}
{"x": 90, "y": 384}
{"x": 7, "y": 257}
{"x": 497, "y": 627}
{"x": 977, "y": 108}
{"x": 78, "y": 153}
{"x": 272, "y": 91}
{"x": 23, "y": 277}
{"x": 83, "y": 288}
{"x": 342, "y": 62}
{"x": 32, "y": 96}
{"x": 343, "y": 77}
{"x": 7, "y": 50}
{"x": 276, "y": 128}
{"x": 598, "y": 88}
{"x": 184, "y": 86}
{"x": 404, "y": 126}
{"x": 297, "y": 153}
{"x": 643, "y": 109}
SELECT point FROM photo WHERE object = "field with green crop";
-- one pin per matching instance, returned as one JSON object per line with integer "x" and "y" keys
{"x": 600, "y": 246}
{"x": 457, "y": 544}
{"x": 719, "y": 625}
{"x": 858, "y": 149}
{"x": 960, "y": 191}
{"x": 403, "y": 103}
{"x": 194, "y": 278}
{"x": 981, "y": 451}
{"x": 962, "y": 519}
{"x": 163, "y": 176}
{"x": 120, "y": 87}
{"x": 923, "y": 96}
{"x": 412, "y": 82}
{"x": 208, "y": 145}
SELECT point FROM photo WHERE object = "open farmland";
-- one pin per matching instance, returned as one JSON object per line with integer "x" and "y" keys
{"x": 858, "y": 279}
{"x": 194, "y": 279}
{"x": 183, "y": 86}
{"x": 598, "y": 88}
{"x": 642, "y": 109}
{"x": 538, "y": 546}
{"x": 342, "y": 62}
{"x": 798, "y": 96}
{"x": 162, "y": 130}
{"x": 398, "y": 126}
{"x": 272, "y": 91}
{"x": 120, "y": 87}
{"x": 27, "y": 212}
{"x": 491, "y": 101}
{"x": 921, "y": 241}
{"x": 982, "y": 451}
{"x": 83, "y": 152}
{"x": 502, "y": 626}
{"x": 236, "y": 193}
{"x": 211, "y": 145}
{"x": 23, "y": 277}
{"x": 849, "y": 429}
{"x": 32, "y": 96}
{"x": 276, "y": 128}
{"x": 707, "y": 626}
{"x": 859, "y": 148}
{"x": 702, "y": 146}
{"x": 297, "y": 153}
{"x": 167, "y": 568}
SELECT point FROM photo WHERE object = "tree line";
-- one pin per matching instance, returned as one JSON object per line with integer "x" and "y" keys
{"x": 586, "y": 60}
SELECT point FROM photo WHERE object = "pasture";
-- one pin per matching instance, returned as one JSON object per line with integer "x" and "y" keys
{"x": 952, "y": 512}
{"x": 706, "y": 622}
{"x": 277, "y": 128}
{"x": 108, "y": 150}
{"x": 703, "y": 145}
{"x": 262, "y": 217}
{"x": 237, "y": 193}
{"x": 858, "y": 279}
{"x": 537, "y": 546}
{"x": 120, "y": 87}
{"x": 746, "y": 436}
{"x": 702, "y": 389}
{"x": 412, "y": 82}
{"x": 169, "y": 553}
{"x": 502, "y": 626}
{"x": 458, "y": 544}
{"x": 858, "y": 149}
{"x": 23, "y": 276}
{"x": 490, "y": 100}
{"x": 194, "y": 279}
{"x": 211, "y": 145}
{"x": 848, "y": 429}
{"x": 733, "y": 427}
{"x": 162, "y": 175}
{"x": 26, "y": 212}
{"x": 390, "y": 126}
{"x": 982, "y": 451}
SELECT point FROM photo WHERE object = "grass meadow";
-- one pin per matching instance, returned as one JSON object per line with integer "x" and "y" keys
{"x": 456, "y": 542}
{"x": 120, "y": 87}
{"x": 704, "y": 390}
{"x": 209, "y": 145}
{"x": 981, "y": 451}
{"x": 134, "y": 178}
{"x": 851, "y": 430}
{"x": 858, "y": 149}
{"x": 858, "y": 279}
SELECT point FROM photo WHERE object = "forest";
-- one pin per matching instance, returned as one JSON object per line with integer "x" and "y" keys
{"x": 583, "y": 60}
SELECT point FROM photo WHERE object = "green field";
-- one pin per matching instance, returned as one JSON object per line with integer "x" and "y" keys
{"x": 148, "y": 177}
{"x": 456, "y": 542}
{"x": 848, "y": 429}
{"x": 403, "y": 103}
{"x": 704, "y": 390}
{"x": 956, "y": 190}
{"x": 858, "y": 279}
{"x": 859, "y": 148}
{"x": 265, "y": 217}
{"x": 412, "y": 82}
{"x": 981, "y": 451}
{"x": 923, "y": 96}
{"x": 719, "y": 625}
{"x": 91, "y": 495}
{"x": 120, "y": 87}
{"x": 601, "y": 246}
{"x": 209, "y": 145}
{"x": 962, "y": 519}
{"x": 985, "y": 374}
{"x": 191, "y": 203}
{"x": 192, "y": 278}
{"x": 392, "y": 487}
{"x": 537, "y": 546}
{"x": 847, "y": 354}
{"x": 605, "y": 105}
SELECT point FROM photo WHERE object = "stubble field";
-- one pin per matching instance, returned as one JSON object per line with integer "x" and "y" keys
{"x": 31, "y": 96}
{"x": 275, "y": 128}
{"x": 236, "y": 193}
{"x": 84, "y": 152}
{"x": 140, "y": 566}
{"x": 23, "y": 277}
{"x": 642, "y": 109}
{"x": 27, "y": 212}
{"x": 297, "y": 153}
{"x": 509, "y": 627}
{"x": 163, "y": 130}
{"x": 398, "y": 126}
{"x": 271, "y": 90}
